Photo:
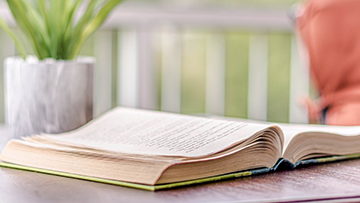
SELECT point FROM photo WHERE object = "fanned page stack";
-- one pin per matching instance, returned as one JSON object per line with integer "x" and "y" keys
{"x": 155, "y": 150}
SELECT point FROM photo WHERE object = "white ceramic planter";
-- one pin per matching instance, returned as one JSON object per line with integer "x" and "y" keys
{"x": 48, "y": 96}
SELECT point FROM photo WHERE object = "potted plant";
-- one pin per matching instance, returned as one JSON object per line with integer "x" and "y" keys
{"x": 51, "y": 92}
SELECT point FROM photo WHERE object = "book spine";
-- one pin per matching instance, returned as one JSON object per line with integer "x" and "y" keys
{"x": 283, "y": 164}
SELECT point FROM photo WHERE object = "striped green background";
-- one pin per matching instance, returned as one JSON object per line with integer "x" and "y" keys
{"x": 236, "y": 73}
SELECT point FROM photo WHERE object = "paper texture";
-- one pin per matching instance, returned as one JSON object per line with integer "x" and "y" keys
{"x": 146, "y": 132}
{"x": 291, "y": 130}
{"x": 135, "y": 185}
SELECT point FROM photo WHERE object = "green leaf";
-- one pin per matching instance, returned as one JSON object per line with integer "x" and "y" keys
{"x": 18, "y": 45}
{"x": 69, "y": 29}
{"x": 94, "y": 24}
{"x": 19, "y": 11}
{"x": 39, "y": 24}
{"x": 50, "y": 27}
{"x": 41, "y": 6}
{"x": 80, "y": 25}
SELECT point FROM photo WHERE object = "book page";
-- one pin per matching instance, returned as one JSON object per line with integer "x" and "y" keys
{"x": 157, "y": 133}
{"x": 291, "y": 130}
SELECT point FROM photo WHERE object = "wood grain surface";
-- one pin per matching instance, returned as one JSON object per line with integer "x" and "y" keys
{"x": 333, "y": 182}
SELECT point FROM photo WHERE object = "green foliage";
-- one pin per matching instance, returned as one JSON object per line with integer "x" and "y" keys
{"x": 51, "y": 26}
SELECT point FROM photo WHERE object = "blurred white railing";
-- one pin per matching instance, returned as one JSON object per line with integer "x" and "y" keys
{"x": 131, "y": 32}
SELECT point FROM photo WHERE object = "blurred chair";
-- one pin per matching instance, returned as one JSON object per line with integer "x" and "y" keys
{"x": 330, "y": 30}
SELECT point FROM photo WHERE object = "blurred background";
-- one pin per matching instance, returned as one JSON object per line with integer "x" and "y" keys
{"x": 237, "y": 58}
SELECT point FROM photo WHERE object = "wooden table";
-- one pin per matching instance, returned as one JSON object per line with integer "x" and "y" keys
{"x": 334, "y": 182}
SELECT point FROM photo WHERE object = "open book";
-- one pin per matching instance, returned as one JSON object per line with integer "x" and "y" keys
{"x": 155, "y": 150}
